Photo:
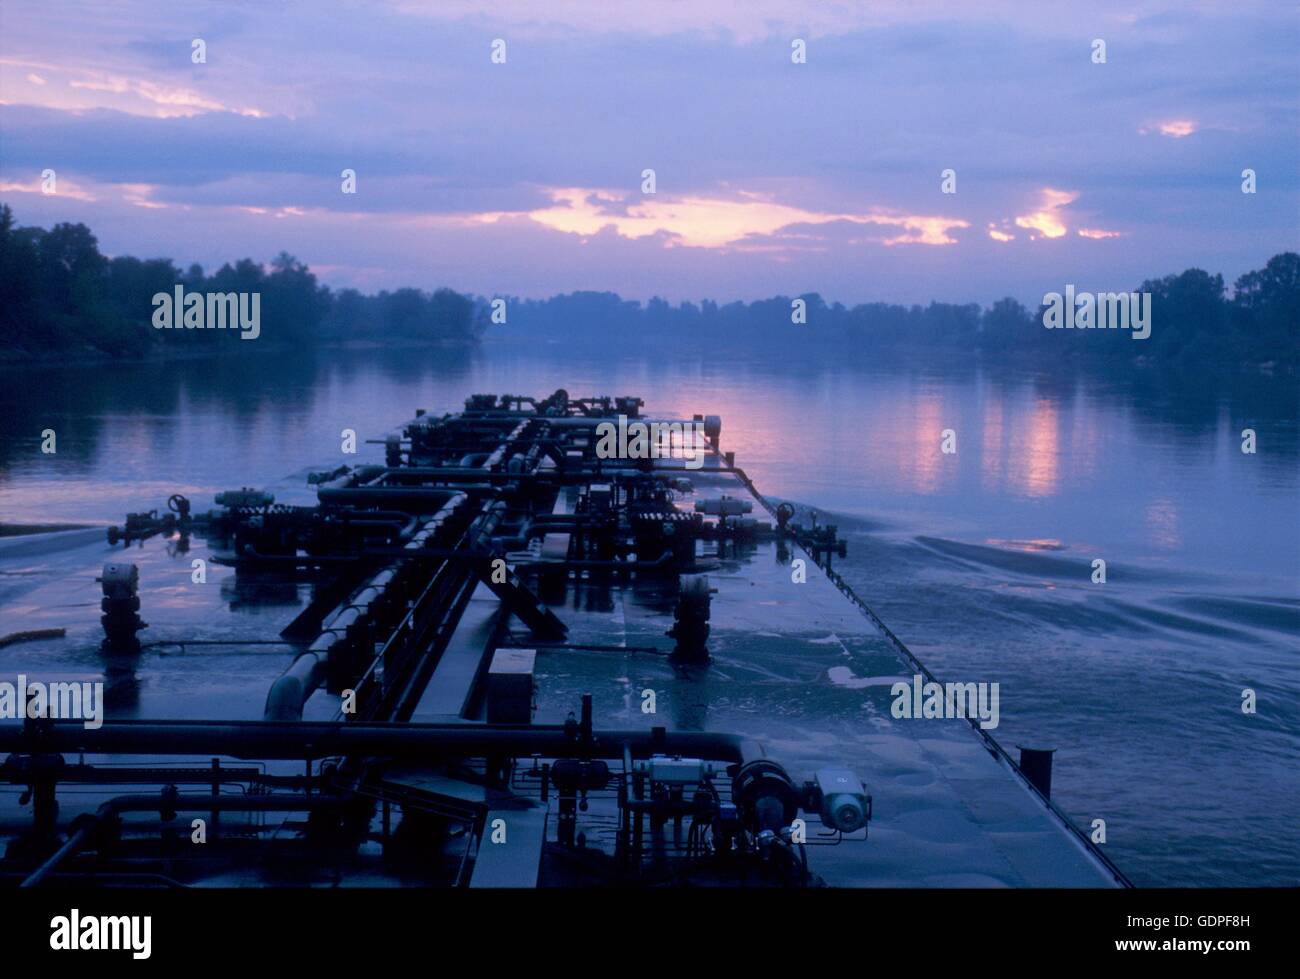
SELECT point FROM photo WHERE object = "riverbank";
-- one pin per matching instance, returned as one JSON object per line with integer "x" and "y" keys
{"x": 169, "y": 354}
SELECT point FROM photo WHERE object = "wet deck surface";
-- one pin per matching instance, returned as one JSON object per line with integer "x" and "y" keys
{"x": 796, "y": 666}
{"x": 800, "y": 668}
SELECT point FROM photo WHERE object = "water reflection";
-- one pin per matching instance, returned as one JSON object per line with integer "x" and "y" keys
{"x": 144, "y": 408}
{"x": 993, "y": 448}
{"x": 1162, "y": 524}
{"x": 1036, "y": 460}
{"x": 922, "y": 460}
{"x": 1038, "y": 455}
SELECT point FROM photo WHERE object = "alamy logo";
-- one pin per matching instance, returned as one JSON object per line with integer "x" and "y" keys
{"x": 1099, "y": 311}
{"x": 99, "y": 932}
{"x": 209, "y": 310}
{"x": 651, "y": 440}
{"x": 948, "y": 700}
{"x": 58, "y": 701}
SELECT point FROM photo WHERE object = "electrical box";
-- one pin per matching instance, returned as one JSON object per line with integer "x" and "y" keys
{"x": 510, "y": 686}
{"x": 600, "y": 496}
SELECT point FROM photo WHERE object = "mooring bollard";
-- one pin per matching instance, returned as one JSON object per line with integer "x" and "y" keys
{"x": 1036, "y": 764}
{"x": 121, "y": 605}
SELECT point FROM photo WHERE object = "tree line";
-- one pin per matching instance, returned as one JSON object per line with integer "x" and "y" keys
{"x": 1194, "y": 322}
{"x": 59, "y": 296}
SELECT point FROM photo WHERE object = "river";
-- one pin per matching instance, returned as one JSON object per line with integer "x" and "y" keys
{"x": 981, "y": 559}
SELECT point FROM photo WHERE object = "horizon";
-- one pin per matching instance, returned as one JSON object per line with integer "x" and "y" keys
{"x": 268, "y": 266}
{"x": 525, "y": 178}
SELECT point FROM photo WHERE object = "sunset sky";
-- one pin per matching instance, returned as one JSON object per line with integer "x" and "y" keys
{"x": 525, "y": 178}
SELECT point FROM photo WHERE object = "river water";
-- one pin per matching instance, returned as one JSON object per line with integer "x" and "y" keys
{"x": 980, "y": 559}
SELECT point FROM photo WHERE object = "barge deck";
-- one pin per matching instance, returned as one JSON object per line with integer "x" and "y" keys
{"x": 516, "y": 654}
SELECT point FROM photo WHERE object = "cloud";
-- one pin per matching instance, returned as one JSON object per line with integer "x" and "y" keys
{"x": 701, "y": 221}
{"x": 64, "y": 187}
{"x": 1178, "y": 128}
{"x": 1173, "y": 128}
{"x": 163, "y": 101}
{"x": 771, "y": 175}
{"x": 751, "y": 21}
{"x": 1046, "y": 221}
{"x": 1098, "y": 233}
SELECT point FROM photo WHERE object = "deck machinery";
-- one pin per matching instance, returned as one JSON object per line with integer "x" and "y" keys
{"x": 501, "y": 657}
{"x": 436, "y": 580}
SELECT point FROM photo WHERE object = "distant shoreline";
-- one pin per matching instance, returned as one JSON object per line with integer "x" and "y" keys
{"x": 71, "y": 304}
{"x": 12, "y": 358}
{"x": 937, "y": 354}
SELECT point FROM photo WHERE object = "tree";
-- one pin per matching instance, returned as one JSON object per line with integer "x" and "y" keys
{"x": 1266, "y": 311}
{"x": 22, "y": 322}
{"x": 1007, "y": 324}
{"x": 1188, "y": 317}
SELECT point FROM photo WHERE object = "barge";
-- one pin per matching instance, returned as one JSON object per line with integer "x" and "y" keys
{"x": 517, "y": 653}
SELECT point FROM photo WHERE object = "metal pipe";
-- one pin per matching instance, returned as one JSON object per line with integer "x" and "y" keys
{"x": 659, "y": 562}
{"x": 432, "y": 497}
{"x": 402, "y": 527}
{"x": 162, "y": 802}
{"x": 322, "y": 739}
{"x": 604, "y": 468}
{"x": 288, "y": 694}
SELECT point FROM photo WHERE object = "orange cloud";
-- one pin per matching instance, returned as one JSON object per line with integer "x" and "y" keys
{"x": 171, "y": 101}
{"x": 997, "y": 235}
{"x": 63, "y": 188}
{"x": 1045, "y": 220}
{"x": 1178, "y": 128}
{"x": 140, "y": 195}
{"x": 714, "y": 222}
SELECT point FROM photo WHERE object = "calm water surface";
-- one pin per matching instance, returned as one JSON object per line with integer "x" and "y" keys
{"x": 981, "y": 560}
